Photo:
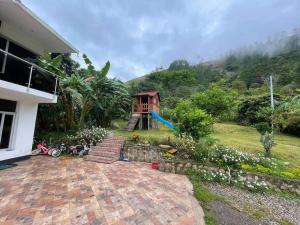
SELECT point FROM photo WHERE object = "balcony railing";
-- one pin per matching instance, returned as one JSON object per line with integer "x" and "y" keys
{"x": 19, "y": 71}
{"x": 144, "y": 107}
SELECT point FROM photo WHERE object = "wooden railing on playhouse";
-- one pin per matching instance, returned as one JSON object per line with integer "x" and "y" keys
{"x": 145, "y": 107}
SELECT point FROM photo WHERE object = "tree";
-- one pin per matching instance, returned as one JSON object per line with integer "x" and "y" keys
{"x": 287, "y": 115}
{"x": 297, "y": 75}
{"x": 85, "y": 96}
{"x": 216, "y": 101}
{"x": 179, "y": 64}
{"x": 68, "y": 89}
{"x": 239, "y": 85}
{"x": 232, "y": 63}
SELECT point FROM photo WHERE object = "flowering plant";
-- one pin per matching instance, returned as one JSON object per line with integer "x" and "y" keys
{"x": 185, "y": 145}
{"x": 227, "y": 156}
{"x": 234, "y": 179}
{"x": 91, "y": 135}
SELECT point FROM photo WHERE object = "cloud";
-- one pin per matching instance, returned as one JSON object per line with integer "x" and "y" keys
{"x": 138, "y": 36}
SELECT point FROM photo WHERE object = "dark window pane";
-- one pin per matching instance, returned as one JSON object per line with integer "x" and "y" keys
{"x": 21, "y": 52}
{"x": 2, "y": 43}
{"x": 7, "y": 106}
{"x": 1, "y": 60}
{"x": 43, "y": 81}
{"x": 16, "y": 71}
{"x": 6, "y": 132}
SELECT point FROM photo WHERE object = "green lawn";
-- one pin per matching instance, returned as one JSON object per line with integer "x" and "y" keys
{"x": 248, "y": 139}
{"x": 153, "y": 136}
{"x": 144, "y": 134}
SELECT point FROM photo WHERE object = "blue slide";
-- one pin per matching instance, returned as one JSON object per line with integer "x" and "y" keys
{"x": 160, "y": 119}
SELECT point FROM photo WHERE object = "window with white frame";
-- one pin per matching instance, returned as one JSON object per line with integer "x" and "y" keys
{"x": 7, "y": 117}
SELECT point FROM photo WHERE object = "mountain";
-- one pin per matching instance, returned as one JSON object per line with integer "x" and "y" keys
{"x": 244, "y": 69}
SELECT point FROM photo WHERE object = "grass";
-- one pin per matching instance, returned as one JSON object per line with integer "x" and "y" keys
{"x": 285, "y": 222}
{"x": 248, "y": 139}
{"x": 204, "y": 196}
{"x": 146, "y": 134}
{"x": 162, "y": 134}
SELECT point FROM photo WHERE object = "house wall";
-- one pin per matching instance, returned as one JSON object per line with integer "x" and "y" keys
{"x": 23, "y": 131}
{"x": 155, "y": 103}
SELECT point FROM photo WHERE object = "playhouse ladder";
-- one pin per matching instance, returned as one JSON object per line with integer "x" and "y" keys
{"x": 132, "y": 122}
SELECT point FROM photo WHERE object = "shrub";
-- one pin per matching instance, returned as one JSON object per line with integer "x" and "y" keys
{"x": 225, "y": 156}
{"x": 192, "y": 121}
{"x": 288, "y": 174}
{"x": 292, "y": 124}
{"x": 246, "y": 167}
{"x": 287, "y": 115}
{"x": 263, "y": 127}
{"x": 185, "y": 145}
{"x": 262, "y": 169}
{"x": 267, "y": 141}
{"x": 91, "y": 135}
{"x": 255, "y": 109}
{"x": 203, "y": 147}
{"x": 296, "y": 171}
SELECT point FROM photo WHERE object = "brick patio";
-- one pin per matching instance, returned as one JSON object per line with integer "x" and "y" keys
{"x": 45, "y": 190}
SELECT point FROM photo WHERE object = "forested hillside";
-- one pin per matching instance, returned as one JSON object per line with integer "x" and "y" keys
{"x": 241, "y": 70}
{"x": 236, "y": 87}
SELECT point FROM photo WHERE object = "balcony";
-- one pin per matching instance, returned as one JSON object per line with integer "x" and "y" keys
{"x": 144, "y": 108}
{"x": 19, "y": 71}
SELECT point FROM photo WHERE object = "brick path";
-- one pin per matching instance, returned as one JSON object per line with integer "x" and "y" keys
{"x": 45, "y": 190}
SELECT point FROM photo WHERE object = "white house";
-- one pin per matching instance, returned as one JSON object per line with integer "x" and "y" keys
{"x": 23, "y": 85}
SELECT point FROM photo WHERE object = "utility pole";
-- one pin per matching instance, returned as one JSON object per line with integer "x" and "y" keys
{"x": 272, "y": 101}
{"x": 271, "y": 92}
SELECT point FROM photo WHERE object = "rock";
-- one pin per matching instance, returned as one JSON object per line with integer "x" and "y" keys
{"x": 188, "y": 165}
{"x": 165, "y": 146}
{"x": 242, "y": 178}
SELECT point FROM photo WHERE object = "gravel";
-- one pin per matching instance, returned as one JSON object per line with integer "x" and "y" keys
{"x": 271, "y": 208}
{"x": 225, "y": 214}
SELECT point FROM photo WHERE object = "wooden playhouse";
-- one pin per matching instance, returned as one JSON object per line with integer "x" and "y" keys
{"x": 141, "y": 106}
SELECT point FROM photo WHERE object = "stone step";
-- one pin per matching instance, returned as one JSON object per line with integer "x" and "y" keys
{"x": 102, "y": 157}
{"x": 113, "y": 141}
{"x": 109, "y": 154}
{"x": 106, "y": 152}
{"x": 113, "y": 138}
{"x": 108, "y": 147}
{"x": 100, "y": 160}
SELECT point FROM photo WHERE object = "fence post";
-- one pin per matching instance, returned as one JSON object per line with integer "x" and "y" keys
{"x": 29, "y": 81}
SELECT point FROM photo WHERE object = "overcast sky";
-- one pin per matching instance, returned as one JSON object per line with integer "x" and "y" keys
{"x": 138, "y": 36}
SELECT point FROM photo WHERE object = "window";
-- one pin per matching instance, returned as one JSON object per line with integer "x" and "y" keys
{"x": 21, "y": 52}
{"x": 7, "y": 116}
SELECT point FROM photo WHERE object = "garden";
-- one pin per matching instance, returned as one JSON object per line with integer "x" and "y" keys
{"x": 225, "y": 133}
